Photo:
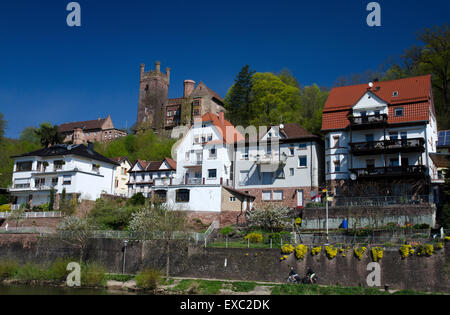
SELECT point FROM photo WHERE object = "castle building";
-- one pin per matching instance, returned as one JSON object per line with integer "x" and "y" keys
{"x": 161, "y": 113}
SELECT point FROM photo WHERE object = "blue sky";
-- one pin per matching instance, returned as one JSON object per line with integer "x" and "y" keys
{"x": 51, "y": 72}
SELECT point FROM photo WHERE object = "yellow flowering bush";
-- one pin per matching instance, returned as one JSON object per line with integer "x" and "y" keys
{"x": 287, "y": 249}
{"x": 359, "y": 252}
{"x": 439, "y": 246}
{"x": 283, "y": 258}
{"x": 447, "y": 238}
{"x": 331, "y": 251}
{"x": 316, "y": 250}
{"x": 425, "y": 250}
{"x": 377, "y": 253}
{"x": 406, "y": 250}
{"x": 298, "y": 221}
{"x": 254, "y": 237}
{"x": 300, "y": 251}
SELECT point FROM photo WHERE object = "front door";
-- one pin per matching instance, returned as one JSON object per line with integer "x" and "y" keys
{"x": 299, "y": 198}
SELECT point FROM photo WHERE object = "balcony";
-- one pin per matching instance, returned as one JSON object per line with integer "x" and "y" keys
{"x": 368, "y": 121}
{"x": 414, "y": 171}
{"x": 388, "y": 146}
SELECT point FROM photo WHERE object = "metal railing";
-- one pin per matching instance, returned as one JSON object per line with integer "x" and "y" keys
{"x": 46, "y": 214}
{"x": 414, "y": 143}
{"x": 380, "y": 200}
{"x": 390, "y": 171}
{"x": 368, "y": 119}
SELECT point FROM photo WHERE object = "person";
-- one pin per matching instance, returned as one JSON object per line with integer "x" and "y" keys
{"x": 293, "y": 274}
{"x": 310, "y": 275}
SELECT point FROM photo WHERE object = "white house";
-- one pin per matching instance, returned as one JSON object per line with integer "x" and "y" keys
{"x": 204, "y": 175}
{"x": 283, "y": 165}
{"x": 382, "y": 133}
{"x": 145, "y": 175}
{"x": 121, "y": 176}
{"x": 82, "y": 172}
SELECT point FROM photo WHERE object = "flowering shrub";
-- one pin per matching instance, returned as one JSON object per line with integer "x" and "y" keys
{"x": 298, "y": 221}
{"x": 283, "y": 258}
{"x": 439, "y": 246}
{"x": 254, "y": 237}
{"x": 331, "y": 251}
{"x": 359, "y": 252}
{"x": 425, "y": 250}
{"x": 447, "y": 238}
{"x": 316, "y": 250}
{"x": 287, "y": 249}
{"x": 300, "y": 251}
{"x": 377, "y": 253}
{"x": 406, "y": 250}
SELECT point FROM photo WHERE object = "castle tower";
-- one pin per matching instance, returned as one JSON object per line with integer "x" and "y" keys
{"x": 153, "y": 96}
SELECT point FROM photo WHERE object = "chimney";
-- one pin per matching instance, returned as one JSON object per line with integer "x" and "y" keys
{"x": 158, "y": 66}
{"x": 189, "y": 86}
{"x": 222, "y": 117}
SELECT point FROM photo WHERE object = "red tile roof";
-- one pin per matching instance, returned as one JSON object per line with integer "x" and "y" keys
{"x": 229, "y": 133}
{"x": 414, "y": 94}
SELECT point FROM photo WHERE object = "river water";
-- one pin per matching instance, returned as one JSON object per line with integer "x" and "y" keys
{"x": 30, "y": 290}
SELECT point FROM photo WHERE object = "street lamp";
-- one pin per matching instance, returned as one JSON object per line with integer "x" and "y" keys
{"x": 125, "y": 242}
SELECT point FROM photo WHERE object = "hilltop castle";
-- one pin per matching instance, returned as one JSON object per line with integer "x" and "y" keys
{"x": 161, "y": 113}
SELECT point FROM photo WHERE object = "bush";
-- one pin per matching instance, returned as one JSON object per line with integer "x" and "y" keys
{"x": 287, "y": 249}
{"x": 301, "y": 251}
{"x": 31, "y": 272}
{"x": 58, "y": 270}
{"x": 254, "y": 237}
{"x": 137, "y": 199}
{"x": 269, "y": 217}
{"x": 5, "y": 208}
{"x": 148, "y": 279}
{"x": 226, "y": 231}
{"x": 3, "y": 200}
{"x": 92, "y": 275}
{"x": 8, "y": 269}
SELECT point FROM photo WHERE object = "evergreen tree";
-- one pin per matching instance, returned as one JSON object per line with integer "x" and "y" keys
{"x": 239, "y": 98}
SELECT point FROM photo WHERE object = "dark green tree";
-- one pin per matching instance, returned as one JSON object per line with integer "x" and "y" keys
{"x": 49, "y": 135}
{"x": 239, "y": 98}
{"x": 52, "y": 199}
{"x": 2, "y": 126}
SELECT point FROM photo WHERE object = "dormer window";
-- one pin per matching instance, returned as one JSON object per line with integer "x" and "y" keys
{"x": 395, "y": 94}
{"x": 398, "y": 112}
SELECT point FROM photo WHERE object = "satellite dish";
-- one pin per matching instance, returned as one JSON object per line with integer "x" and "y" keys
{"x": 281, "y": 126}
{"x": 353, "y": 176}
{"x": 371, "y": 84}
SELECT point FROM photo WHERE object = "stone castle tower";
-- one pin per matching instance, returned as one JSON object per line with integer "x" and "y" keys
{"x": 153, "y": 96}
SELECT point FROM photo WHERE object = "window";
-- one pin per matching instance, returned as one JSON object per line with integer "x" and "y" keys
{"x": 395, "y": 93}
{"x": 337, "y": 165}
{"x": 212, "y": 173}
{"x": 182, "y": 195}
{"x": 302, "y": 146}
{"x": 393, "y": 162}
{"x": 196, "y": 139}
{"x": 54, "y": 181}
{"x": 302, "y": 161}
{"x": 244, "y": 155}
{"x": 398, "y": 112}
{"x": 116, "y": 183}
{"x": 232, "y": 199}
{"x": 336, "y": 141}
{"x": 24, "y": 166}
{"x": 291, "y": 172}
{"x": 124, "y": 171}
{"x": 187, "y": 155}
{"x": 67, "y": 180}
{"x": 377, "y": 113}
{"x": 328, "y": 167}
{"x": 440, "y": 174}
{"x": 210, "y": 137}
{"x": 58, "y": 165}
{"x": 393, "y": 135}
{"x": 266, "y": 195}
{"x": 243, "y": 178}
{"x": 291, "y": 151}
{"x": 369, "y": 138}
{"x": 169, "y": 113}
{"x": 370, "y": 163}
{"x": 278, "y": 195}
{"x": 327, "y": 143}
{"x": 212, "y": 153}
{"x": 38, "y": 182}
{"x": 161, "y": 195}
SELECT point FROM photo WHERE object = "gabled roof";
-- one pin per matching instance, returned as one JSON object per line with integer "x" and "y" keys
{"x": 196, "y": 93}
{"x": 120, "y": 159}
{"x": 229, "y": 134}
{"x": 152, "y": 166}
{"x": 86, "y": 125}
{"x": 64, "y": 149}
{"x": 414, "y": 94}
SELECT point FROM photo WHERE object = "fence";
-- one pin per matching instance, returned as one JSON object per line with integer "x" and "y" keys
{"x": 46, "y": 214}
{"x": 381, "y": 201}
